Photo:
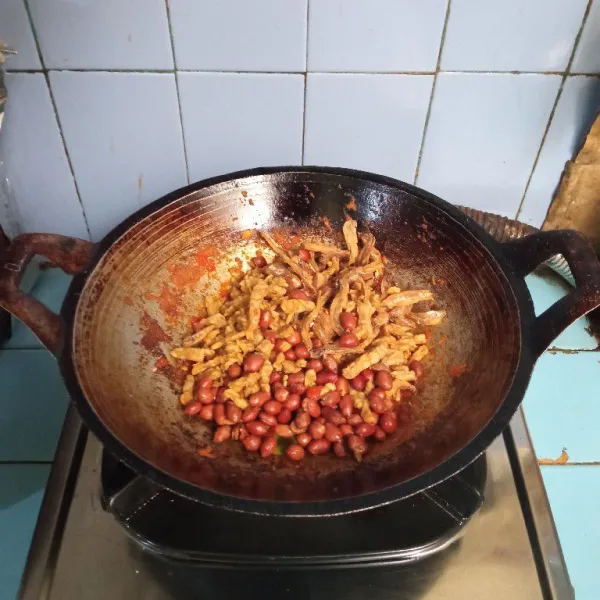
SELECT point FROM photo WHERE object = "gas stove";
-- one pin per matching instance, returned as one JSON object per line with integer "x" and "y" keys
{"x": 105, "y": 533}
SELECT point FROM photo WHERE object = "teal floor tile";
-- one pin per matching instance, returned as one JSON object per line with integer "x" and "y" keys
{"x": 546, "y": 288}
{"x": 574, "y": 494}
{"x": 33, "y": 403}
{"x": 50, "y": 289}
{"x": 562, "y": 406}
{"x": 21, "y": 493}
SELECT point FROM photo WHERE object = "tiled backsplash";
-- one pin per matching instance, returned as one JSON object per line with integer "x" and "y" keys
{"x": 114, "y": 103}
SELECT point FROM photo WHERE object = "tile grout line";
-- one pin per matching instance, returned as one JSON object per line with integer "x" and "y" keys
{"x": 430, "y": 105}
{"x": 505, "y": 72}
{"x": 305, "y": 83}
{"x": 238, "y": 72}
{"x": 304, "y": 119}
{"x": 35, "y": 40}
{"x": 578, "y": 74}
{"x": 69, "y": 161}
{"x": 565, "y": 75}
{"x": 185, "y": 154}
{"x": 56, "y": 116}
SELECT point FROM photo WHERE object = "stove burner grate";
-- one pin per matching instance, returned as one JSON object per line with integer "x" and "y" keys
{"x": 182, "y": 529}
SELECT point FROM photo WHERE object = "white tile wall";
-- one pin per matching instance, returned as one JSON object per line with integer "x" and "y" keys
{"x": 231, "y": 35}
{"x": 106, "y": 34}
{"x": 378, "y": 35}
{"x": 35, "y": 160}
{"x": 369, "y": 122}
{"x": 483, "y": 135}
{"x": 16, "y": 32}
{"x": 511, "y": 35}
{"x": 241, "y": 120}
{"x": 587, "y": 57}
{"x": 124, "y": 138}
{"x": 575, "y": 112}
{"x": 331, "y": 82}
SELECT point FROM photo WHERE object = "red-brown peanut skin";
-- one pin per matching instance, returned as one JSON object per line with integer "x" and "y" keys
{"x": 252, "y": 443}
{"x": 388, "y": 422}
{"x": 268, "y": 446}
{"x": 295, "y": 452}
{"x": 253, "y": 362}
{"x": 257, "y": 428}
{"x": 222, "y": 433}
{"x": 319, "y": 446}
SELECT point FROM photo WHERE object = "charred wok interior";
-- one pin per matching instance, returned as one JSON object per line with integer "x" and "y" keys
{"x": 136, "y": 300}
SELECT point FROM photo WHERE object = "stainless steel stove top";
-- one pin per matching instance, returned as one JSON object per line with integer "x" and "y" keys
{"x": 509, "y": 549}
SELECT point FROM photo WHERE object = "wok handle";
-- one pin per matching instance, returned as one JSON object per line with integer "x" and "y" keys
{"x": 72, "y": 255}
{"x": 529, "y": 252}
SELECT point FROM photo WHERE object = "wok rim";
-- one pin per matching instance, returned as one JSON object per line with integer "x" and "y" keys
{"x": 444, "y": 470}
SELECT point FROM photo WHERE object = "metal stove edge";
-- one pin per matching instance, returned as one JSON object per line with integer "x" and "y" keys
{"x": 45, "y": 545}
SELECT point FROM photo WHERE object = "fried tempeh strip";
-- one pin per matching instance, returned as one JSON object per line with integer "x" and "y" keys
{"x": 198, "y": 337}
{"x": 297, "y": 269}
{"x": 398, "y": 317}
{"x": 395, "y": 329}
{"x": 339, "y": 351}
{"x": 325, "y": 249}
{"x": 364, "y": 256}
{"x": 341, "y": 299}
{"x": 323, "y": 277}
{"x": 209, "y": 324}
{"x": 365, "y": 310}
{"x": 406, "y": 298}
{"x": 308, "y": 320}
{"x": 381, "y": 318}
{"x": 351, "y": 237}
{"x": 431, "y": 317}
{"x": 193, "y": 354}
{"x": 420, "y": 353}
{"x": 365, "y": 361}
{"x": 338, "y": 303}
{"x": 397, "y": 357}
{"x": 213, "y": 304}
{"x": 259, "y": 291}
{"x": 290, "y": 306}
{"x": 322, "y": 327}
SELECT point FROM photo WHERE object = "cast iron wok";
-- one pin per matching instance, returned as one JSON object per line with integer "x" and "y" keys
{"x": 135, "y": 291}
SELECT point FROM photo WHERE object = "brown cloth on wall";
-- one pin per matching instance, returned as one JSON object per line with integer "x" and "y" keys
{"x": 576, "y": 204}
